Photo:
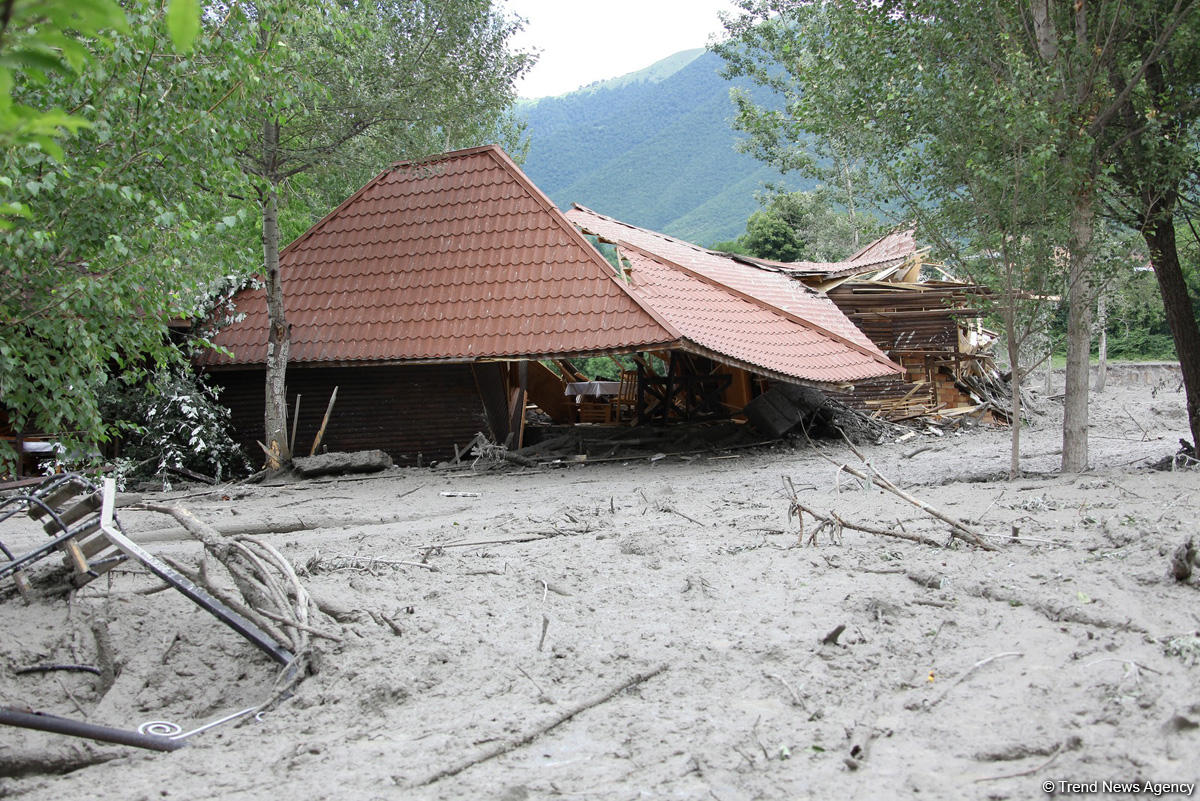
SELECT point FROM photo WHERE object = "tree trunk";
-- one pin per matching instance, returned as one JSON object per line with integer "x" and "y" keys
{"x": 1014, "y": 384}
{"x": 279, "y": 333}
{"x": 1102, "y": 325}
{"x": 1160, "y": 237}
{"x": 1079, "y": 339}
{"x": 1048, "y": 377}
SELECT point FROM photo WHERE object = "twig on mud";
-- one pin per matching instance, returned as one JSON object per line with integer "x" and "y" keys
{"x": 674, "y": 511}
{"x": 437, "y": 546}
{"x": 301, "y": 626}
{"x": 968, "y": 672}
{"x": 958, "y": 529}
{"x": 514, "y": 743}
{"x": 355, "y": 562}
{"x": 832, "y": 637}
{"x": 542, "y": 695}
{"x": 761, "y": 746}
{"x": 796, "y": 701}
{"x": 1136, "y": 665}
{"x": 1068, "y": 744}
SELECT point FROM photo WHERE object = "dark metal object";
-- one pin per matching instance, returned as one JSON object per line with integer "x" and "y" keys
{"x": 51, "y": 668}
{"x": 77, "y": 728}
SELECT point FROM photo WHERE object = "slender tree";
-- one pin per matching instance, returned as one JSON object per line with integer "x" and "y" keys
{"x": 940, "y": 112}
{"x": 1030, "y": 88}
{"x": 354, "y": 86}
{"x": 1155, "y": 148}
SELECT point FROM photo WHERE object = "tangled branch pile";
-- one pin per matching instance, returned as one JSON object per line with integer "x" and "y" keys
{"x": 259, "y": 583}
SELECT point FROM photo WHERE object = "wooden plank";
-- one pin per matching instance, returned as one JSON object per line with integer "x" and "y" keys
{"x": 324, "y": 422}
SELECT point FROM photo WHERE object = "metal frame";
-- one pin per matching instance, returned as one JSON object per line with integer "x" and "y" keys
{"x": 155, "y": 735}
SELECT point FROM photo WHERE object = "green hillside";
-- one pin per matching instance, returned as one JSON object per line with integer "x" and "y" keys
{"x": 653, "y": 148}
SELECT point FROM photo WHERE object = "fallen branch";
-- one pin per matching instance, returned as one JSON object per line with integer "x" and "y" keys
{"x": 264, "y": 577}
{"x": 512, "y": 744}
{"x": 1070, "y": 743}
{"x": 276, "y": 525}
{"x": 367, "y": 563}
{"x": 836, "y": 523}
{"x": 958, "y": 529}
{"x": 437, "y": 546}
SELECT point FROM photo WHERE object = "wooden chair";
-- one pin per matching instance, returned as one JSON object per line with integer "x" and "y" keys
{"x": 624, "y": 406}
{"x": 71, "y": 511}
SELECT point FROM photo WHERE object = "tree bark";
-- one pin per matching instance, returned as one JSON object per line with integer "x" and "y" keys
{"x": 1014, "y": 384}
{"x": 279, "y": 333}
{"x": 1079, "y": 338}
{"x": 1160, "y": 238}
{"x": 1102, "y": 327}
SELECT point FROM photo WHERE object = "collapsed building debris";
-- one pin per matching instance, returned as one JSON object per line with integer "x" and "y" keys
{"x": 925, "y": 319}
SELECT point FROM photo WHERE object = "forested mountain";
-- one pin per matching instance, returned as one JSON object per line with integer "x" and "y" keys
{"x": 653, "y": 148}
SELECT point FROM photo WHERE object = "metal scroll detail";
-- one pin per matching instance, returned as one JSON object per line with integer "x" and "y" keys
{"x": 173, "y": 731}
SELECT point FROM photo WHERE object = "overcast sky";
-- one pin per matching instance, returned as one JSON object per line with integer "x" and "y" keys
{"x": 582, "y": 41}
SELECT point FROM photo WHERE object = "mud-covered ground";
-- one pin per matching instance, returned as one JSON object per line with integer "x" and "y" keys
{"x": 1065, "y": 655}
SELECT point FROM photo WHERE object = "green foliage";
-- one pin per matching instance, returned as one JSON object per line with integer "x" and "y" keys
{"x": 40, "y": 42}
{"x": 173, "y": 420}
{"x": 805, "y": 226}
{"x": 127, "y": 226}
{"x": 354, "y": 87}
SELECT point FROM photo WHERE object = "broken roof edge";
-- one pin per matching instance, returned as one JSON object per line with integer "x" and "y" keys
{"x": 877, "y": 357}
{"x": 907, "y": 227}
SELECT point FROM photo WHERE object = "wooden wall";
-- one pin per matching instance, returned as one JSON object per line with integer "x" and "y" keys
{"x": 407, "y": 410}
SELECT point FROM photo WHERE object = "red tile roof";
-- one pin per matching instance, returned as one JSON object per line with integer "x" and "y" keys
{"x": 766, "y": 287}
{"x": 742, "y": 329}
{"x": 461, "y": 257}
{"x": 456, "y": 258}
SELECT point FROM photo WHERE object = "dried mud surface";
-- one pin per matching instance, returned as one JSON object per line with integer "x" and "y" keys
{"x": 960, "y": 674}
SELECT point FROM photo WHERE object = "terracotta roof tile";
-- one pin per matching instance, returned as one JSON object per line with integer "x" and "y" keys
{"x": 767, "y": 288}
{"x": 757, "y": 335}
{"x": 460, "y": 257}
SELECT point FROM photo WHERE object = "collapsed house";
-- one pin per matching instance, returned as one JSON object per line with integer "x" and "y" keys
{"x": 924, "y": 318}
{"x": 447, "y": 295}
{"x": 435, "y": 297}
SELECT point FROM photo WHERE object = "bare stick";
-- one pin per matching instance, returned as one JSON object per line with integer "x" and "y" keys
{"x": 1034, "y": 770}
{"x": 295, "y": 420}
{"x": 434, "y": 546}
{"x": 514, "y": 743}
{"x": 968, "y": 672}
{"x": 541, "y": 693}
{"x": 795, "y": 696}
{"x": 832, "y": 637}
{"x": 675, "y": 511}
{"x": 833, "y": 519}
{"x": 302, "y": 626}
{"x": 545, "y": 625}
{"x": 324, "y": 422}
{"x": 958, "y": 529}
{"x": 370, "y": 561}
